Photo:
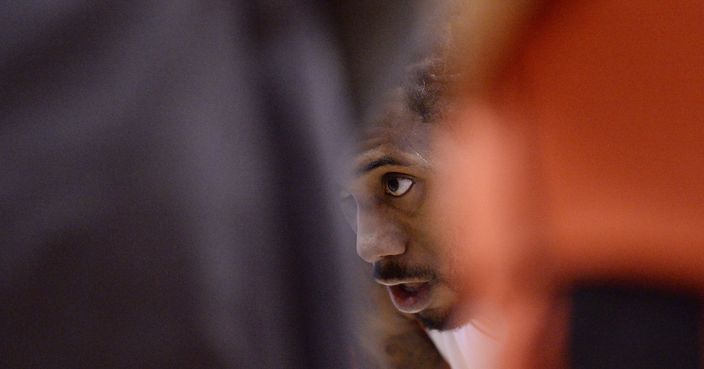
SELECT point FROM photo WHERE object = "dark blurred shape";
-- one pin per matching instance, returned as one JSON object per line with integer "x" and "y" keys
{"x": 626, "y": 327}
{"x": 167, "y": 173}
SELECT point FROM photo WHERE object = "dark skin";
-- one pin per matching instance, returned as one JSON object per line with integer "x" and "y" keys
{"x": 393, "y": 340}
{"x": 385, "y": 203}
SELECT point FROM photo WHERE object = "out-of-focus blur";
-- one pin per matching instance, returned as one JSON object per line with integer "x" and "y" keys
{"x": 167, "y": 178}
{"x": 573, "y": 179}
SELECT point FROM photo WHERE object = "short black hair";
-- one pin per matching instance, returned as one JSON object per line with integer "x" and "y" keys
{"x": 426, "y": 89}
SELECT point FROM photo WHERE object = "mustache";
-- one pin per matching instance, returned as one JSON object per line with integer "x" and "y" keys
{"x": 392, "y": 270}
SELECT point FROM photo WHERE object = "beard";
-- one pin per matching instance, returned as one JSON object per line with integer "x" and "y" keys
{"x": 445, "y": 317}
{"x": 435, "y": 319}
{"x": 388, "y": 270}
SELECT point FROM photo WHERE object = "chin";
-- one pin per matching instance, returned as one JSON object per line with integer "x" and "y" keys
{"x": 437, "y": 319}
{"x": 442, "y": 314}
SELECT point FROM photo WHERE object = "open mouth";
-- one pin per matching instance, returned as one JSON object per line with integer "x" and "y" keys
{"x": 410, "y": 298}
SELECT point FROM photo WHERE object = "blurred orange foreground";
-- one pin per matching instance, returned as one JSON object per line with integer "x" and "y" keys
{"x": 577, "y": 155}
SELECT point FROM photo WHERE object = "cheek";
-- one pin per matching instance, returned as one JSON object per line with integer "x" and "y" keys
{"x": 385, "y": 224}
{"x": 410, "y": 204}
{"x": 451, "y": 264}
{"x": 435, "y": 253}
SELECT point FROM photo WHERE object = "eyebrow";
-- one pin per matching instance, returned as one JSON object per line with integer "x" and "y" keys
{"x": 386, "y": 160}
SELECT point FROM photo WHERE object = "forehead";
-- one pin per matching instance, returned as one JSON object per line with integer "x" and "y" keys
{"x": 399, "y": 134}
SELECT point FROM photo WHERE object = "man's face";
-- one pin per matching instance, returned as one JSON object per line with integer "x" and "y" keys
{"x": 385, "y": 203}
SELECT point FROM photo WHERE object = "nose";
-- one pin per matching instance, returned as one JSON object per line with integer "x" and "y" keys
{"x": 378, "y": 236}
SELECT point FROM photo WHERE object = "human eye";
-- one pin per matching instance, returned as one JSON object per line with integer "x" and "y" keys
{"x": 397, "y": 185}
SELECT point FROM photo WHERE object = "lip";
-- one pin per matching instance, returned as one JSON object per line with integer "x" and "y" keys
{"x": 410, "y": 297}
